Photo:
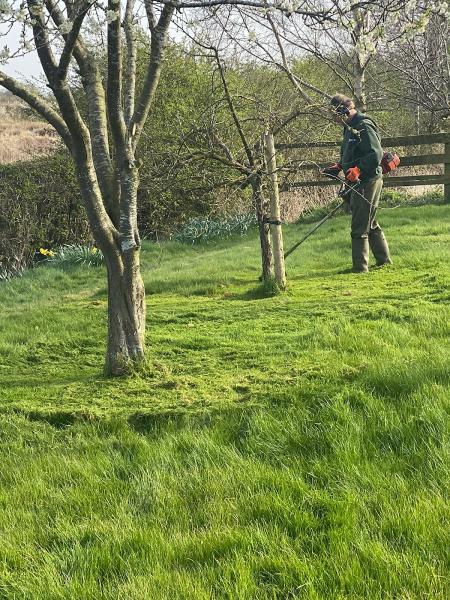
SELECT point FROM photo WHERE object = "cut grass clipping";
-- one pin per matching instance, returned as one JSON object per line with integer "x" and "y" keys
{"x": 292, "y": 446}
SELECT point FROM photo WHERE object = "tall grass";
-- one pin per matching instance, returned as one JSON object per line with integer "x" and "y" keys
{"x": 23, "y": 139}
{"x": 76, "y": 255}
{"x": 294, "y": 446}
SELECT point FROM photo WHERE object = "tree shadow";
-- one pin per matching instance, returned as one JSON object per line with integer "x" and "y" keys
{"x": 49, "y": 382}
{"x": 59, "y": 419}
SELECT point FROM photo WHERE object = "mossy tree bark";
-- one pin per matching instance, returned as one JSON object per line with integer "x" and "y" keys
{"x": 126, "y": 315}
{"x": 261, "y": 209}
{"x": 360, "y": 37}
{"x": 275, "y": 216}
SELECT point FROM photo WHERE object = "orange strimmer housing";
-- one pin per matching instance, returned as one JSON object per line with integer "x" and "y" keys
{"x": 389, "y": 162}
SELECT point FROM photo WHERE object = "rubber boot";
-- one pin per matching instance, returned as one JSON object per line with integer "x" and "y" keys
{"x": 360, "y": 255}
{"x": 379, "y": 247}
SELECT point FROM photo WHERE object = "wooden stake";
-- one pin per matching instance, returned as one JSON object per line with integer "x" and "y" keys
{"x": 275, "y": 225}
{"x": 447, "y": 173}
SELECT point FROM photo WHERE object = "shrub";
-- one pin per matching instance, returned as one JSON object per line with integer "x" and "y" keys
{"x": 39, "y": 207}
{"x": 400, "y": 197}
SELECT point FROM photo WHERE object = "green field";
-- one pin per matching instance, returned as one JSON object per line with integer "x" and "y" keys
{"x": 294, "y": 446}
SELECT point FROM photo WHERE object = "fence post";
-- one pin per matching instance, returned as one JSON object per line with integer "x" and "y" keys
{"x": 275, "y": 222}
{"x": 447, "y": 172}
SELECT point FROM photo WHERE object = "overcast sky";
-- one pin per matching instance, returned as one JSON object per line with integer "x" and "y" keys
{"x": 22, "y": 67}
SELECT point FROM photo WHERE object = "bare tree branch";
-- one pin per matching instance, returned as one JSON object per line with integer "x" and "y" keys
{"x": 158, "y": 41}
{"x": 232, "y": 108}
{"x": 39, "y": 104}
{"x": 114, "y": 85}
{"x": 71, "y": 41}
{"x": 130, "y": 71}
{"x": 97, "y": 114}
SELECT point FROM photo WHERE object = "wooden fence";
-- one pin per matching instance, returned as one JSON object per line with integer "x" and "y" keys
{"x": 392, "y": 143}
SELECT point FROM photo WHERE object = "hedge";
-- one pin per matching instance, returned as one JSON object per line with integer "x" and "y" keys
{"x": 40, "y": 206}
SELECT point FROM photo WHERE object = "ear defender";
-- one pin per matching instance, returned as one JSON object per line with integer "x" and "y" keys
{"x": 342, "y": 110}
{"x": 339, "y": 108}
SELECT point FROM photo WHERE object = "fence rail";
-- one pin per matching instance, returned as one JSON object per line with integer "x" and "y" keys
{"x": 394, "y": 180}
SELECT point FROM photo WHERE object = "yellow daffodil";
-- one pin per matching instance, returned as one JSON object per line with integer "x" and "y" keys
{"x": 46, "y": 252}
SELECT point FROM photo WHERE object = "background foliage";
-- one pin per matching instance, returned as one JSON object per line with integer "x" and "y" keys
{"x": 39, "y": 199}
{"x": 39, "y": 206}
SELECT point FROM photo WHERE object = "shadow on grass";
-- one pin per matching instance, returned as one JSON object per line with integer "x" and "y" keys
{"x": 156, "y": 423}
{"x": 59, "y": 419}
{"x": 265, "y": 289}
{"x": 204, "y": 286}
{"x": 36, "y": 382}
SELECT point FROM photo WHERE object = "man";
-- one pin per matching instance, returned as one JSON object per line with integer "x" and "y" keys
{"x": 361, "y": 154}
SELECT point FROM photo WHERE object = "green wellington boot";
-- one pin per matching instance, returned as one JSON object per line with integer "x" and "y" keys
{"x": 360, "y": 255}
{"x": 379, "y": 247}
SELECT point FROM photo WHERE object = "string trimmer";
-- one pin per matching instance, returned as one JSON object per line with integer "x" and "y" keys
{"x": 344, "y": 192}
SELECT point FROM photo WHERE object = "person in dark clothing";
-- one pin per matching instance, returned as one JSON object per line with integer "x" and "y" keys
{"x": 361, "y": 154}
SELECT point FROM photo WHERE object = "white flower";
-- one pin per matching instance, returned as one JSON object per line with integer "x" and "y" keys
{"x": 345, "y": 6}
{"x": 252, "y": 36}
{"x": 112, "y": 15}
{"x": 21, "y": 15}
{"x": 5, "y": 8}
{"x": 288, "y": 6}
{"x": 36, "y": 9}
{"x": 65, "y": 27}
{"x": 4, "y": 55}
{"x": 370, "y": 47}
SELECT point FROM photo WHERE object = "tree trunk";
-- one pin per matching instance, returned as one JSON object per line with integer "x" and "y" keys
{"x": 360, "y": 35}
{"x": 126, "y": 304}
{"x": 264, "y": 229}
{"x": 126, "y": 292}
{"x": 360, "y": 85}
{"x": 275, "y": 216}
{"x": 126, "y": 315}
{"x": 103, "y": 152}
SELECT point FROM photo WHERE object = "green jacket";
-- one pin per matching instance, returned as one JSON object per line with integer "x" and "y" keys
{"x": 361, "y": 147}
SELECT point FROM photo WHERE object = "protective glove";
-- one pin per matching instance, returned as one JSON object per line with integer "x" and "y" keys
{"x": 352, "y": 174}
{"x": 333, "y": 170}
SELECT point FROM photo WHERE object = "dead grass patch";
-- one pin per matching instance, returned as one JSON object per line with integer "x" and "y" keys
{"x": 23, "y": 139}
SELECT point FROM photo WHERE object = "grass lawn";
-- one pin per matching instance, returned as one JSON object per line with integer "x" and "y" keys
{"x": 287, "y": 447}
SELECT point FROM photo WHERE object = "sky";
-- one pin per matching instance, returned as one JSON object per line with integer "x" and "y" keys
{"x": 24, "y": 67}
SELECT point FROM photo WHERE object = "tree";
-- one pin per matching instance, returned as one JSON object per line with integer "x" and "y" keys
{"x": 245, "y": 101}
{"x": 416, "y": 71}
{"x": 412, "y": 32}
{"x": 70, "y": 38}
{"x": 106, "y": 167}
